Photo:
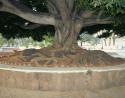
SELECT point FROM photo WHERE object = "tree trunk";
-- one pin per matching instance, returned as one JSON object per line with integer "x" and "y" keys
{"x": 66, "y": 35}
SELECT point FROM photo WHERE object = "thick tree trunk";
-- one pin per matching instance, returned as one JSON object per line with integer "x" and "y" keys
{"x": 66, "y": 35}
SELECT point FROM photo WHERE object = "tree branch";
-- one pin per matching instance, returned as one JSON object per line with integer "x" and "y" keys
{"x": 14, "y": 7}
{"x": 53, "y": 8}
{"x": 91, "y": 22}
{"x": 86, "y": 14}
{"x": 90, "y": 18}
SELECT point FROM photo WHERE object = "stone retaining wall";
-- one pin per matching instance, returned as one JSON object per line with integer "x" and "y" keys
{"x": 65, "y": 81}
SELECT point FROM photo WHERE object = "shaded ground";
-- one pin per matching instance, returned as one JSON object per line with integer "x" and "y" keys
{"x": 51, "y": 57}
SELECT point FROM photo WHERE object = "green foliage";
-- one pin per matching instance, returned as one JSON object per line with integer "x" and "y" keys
{"x": 2, "y": 40}
{"x": 27, "y": 42}
{"x": 109, "y": 3}
{"x": 110, "y": 6}
{"x": 47, "y": 40}
{"x": 83, "y": 4}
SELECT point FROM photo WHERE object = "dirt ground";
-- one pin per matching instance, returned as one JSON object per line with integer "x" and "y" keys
{"x": 51, "y": 57}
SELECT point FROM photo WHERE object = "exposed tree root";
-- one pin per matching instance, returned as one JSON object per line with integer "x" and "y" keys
{"x": 51, "y": 57}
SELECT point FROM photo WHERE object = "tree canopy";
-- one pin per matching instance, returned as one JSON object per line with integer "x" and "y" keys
{"x": 111, "y": 7}
{"x": 56, "y": 12}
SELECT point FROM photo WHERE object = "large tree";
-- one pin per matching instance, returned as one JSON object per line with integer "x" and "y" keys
{"x": 69, "y": 17}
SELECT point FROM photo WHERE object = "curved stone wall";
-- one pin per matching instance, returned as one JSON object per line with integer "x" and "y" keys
{"x": 29, "y": 82}
{"x": 61, "y": 79}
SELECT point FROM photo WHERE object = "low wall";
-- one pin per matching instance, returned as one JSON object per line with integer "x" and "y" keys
{"x": 34, "y": 82}
{"x": 61, "y": 79}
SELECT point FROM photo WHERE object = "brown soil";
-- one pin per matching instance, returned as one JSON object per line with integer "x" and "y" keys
{"x": 51, "y": 57}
